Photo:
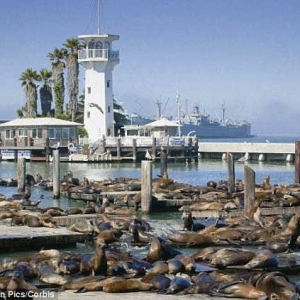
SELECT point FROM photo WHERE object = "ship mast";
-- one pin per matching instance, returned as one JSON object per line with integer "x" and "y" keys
{"x": 158, "y": 109}
{"x": 223, "y": 113}
{"x": 178, "y": 112}
{"x": 98, "y": 23}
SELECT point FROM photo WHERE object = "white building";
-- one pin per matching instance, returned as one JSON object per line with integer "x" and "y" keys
{"x": 99, "y": 60}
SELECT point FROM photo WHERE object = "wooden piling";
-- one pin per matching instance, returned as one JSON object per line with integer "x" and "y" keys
{"x": 56, "y": 174}
{"x": 231, "y": 173}
{"x": 21, "y": 174}
{"x": 297, "y": 162}
{"x": 249, "y": 190}
{"x": 163, "y": 161}
{"x": 146, "y": 188}
{"x": 119, "y": 149}
{"x": 134, "y": 152}
{"x": 153, "y": 149}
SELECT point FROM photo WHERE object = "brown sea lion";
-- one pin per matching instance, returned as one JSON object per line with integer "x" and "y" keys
{"x": 77, "y": 283}
{"x": 126, "y": 285}
{"x": 159, "y": 267}
{"x": 54, "y": 256}
{"x": 46, "y": 273}
{"x": 276, "y": 286}
{"x": 263, "y": 258}
{"x": 155, "y": 250}
{"x": 237, "y": 289}
{"x": 110, "y": 235}
{"x": 18, "y": 283}
{"x": 190, "y": 239}
{"x": 95, "y": 264}
{"x": 231, "y": 257}
{"x": 97, "y": 285}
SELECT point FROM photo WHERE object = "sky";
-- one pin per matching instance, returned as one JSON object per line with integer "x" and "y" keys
{"x": 244, "y": 54}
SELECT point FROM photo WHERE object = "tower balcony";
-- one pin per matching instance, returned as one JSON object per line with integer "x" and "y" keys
{"x": 98, "y": 55}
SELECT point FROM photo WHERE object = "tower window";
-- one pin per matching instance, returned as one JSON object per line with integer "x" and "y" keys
{"x": 108, "y": 108}
{"x": 108, "y": 83}
{"x": 89, "y": 90}
{"x": 88, "y": 114}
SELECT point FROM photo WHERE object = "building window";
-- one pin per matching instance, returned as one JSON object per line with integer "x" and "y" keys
{"x": 10, "y": 133}
{"x": 89, "y": 90}
{"x": 108, "y": 109}
{"x": 37, "y": 133}
{"x": 88, "y": 115}
{"x": 23, "y": 132}
{"x": 108, "y": 83}
{"x": 65, "y": 133}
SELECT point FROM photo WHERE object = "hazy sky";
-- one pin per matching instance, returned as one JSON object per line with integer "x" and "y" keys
{"x": 243, "y": 53}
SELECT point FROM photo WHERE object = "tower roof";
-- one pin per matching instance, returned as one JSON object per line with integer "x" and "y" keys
{"x": 111, "y": 37}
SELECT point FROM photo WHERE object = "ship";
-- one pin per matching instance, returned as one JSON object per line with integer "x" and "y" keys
{"x": 201, "y": 125}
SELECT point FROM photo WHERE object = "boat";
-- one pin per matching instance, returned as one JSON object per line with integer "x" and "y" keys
{"x": 201, "y": 125}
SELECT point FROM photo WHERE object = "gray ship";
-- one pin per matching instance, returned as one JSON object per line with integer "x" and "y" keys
{"x": 203, "y": 126}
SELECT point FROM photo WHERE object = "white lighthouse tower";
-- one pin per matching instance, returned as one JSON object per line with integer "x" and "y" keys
{"x": 98, "y": 60}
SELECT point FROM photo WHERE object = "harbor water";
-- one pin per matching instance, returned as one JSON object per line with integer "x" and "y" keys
{"x": 197, "y": 174}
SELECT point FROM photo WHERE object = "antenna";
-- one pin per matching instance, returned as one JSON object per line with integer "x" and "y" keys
{"x": 99, "y": 10}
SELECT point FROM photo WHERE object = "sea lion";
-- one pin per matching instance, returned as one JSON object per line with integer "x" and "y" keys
{"x": 110, "y": 235}
{"x": 237, "y": 289}
{"x": 97, "y": 285}
{"x": 126, "y": 285}
{"x": 263, "y": 258}
{"x": 46, "y": 273}
{"x": 159, "y": 267}
{"x": 188, "y": 262}
{"x": 175, "y": 266}
{"x": 155, "y": 251}
{"x": 178, "y": 284}
{"x": 159, "y": 282}
{"x": 276, "y": 286}
{"x": 140, "y": 236}
{"x": 18, "y": 283}
{"x": 95, "y": 264}
{"x": 54, "y": 256}
{"x": 77, "y": 283}
{"x": 190, "y": 239}
{"x": 231, "y": 257}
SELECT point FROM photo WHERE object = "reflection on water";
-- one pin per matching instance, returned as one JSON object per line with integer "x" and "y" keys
{"x": 191, "y": 173}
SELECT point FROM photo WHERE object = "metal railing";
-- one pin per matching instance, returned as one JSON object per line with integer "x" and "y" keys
{"x": 98, "y": 54}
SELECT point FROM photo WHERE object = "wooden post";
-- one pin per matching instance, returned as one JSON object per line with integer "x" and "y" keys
{"x": 47, "y": 149}
{"x": 231, "y": 173}
{"x": 119, "y": 148}
{"x": 21, "y": 174}
{"x": 56, "y": 174}
{"x": 146, "y": 189}
{"x": 249, "y": 190}
{"x": 153, "y": 149}
{"x": 134, "y": 154}
{"x": 297, "y": 162}
{"x": 163, "y": 161}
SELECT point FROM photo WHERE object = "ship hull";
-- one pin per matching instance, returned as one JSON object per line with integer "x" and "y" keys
{"x": 217, "y": 130}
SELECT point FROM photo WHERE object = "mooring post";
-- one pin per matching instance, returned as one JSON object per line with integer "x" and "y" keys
{"x": 21, "y": 174}
{"x": 56, "y": 174}
{"x": 249, "y": 190}
{"x": 231, "y": 173}
{"x": 163, "y": 161}
{"x": 134, "y": 152}
{"x": 297, "y": 162}
{"x": 119, "y": 148}
{"x": 146, "y": 189}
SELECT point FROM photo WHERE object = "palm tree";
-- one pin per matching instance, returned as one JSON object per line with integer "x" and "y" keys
{"x": 58, "y": 80}
{"x": 46, "y": 97}
{"x": 71, "y": 57}
{"x": 28, "y": 79}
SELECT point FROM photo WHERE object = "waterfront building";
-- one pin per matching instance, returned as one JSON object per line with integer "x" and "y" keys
{"x": 36, "y": 137}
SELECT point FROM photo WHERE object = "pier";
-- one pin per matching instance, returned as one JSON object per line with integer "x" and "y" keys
{"x": 248, "y": 151}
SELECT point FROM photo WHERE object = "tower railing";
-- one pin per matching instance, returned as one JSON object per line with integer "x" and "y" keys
{"x": 98, "y": 54}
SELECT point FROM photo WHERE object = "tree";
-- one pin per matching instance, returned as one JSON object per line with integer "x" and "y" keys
{"x": 58, "y": 80}
{"x": 71, "y": 56}
{"x": 28, "y": 79}
{"x": 46, "y": 97}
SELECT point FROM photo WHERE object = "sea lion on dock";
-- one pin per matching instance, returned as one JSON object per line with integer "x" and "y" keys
{"x": 231, "y": 257}
{"x": 237, "y": 289}
{"x": 18, "y": 283}
{"x": 97, "y": 285}
{"x": 95, "y": 264}
{"x": 263, "y": 258}
{"x": 126, "y": 286}
{"x": 190, "y": 239}
{"x": 276, "y": 286}
{"x": 46, "y": 273}
{"x": 178, "y": 284}
{"x": 155, "y": 250}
